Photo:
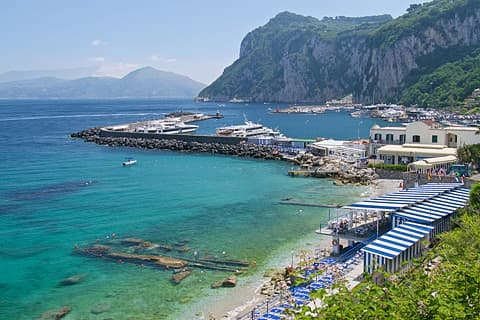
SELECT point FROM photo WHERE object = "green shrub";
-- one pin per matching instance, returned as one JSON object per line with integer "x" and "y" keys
{"x": 393, "y": 167}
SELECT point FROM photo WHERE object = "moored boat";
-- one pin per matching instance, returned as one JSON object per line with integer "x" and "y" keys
{"x": 129, "y": 162}
{"x": 248, "y": 130}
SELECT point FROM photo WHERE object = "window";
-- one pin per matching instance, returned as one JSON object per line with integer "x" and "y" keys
{"x": 416, "y": 139}
{"x": 434, "y": 139}
{"x": 378, "y": 136}
{"x": 402, "y": 138}
{"x": 389, "y": 137}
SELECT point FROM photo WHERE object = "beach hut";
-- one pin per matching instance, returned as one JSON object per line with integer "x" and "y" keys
{"x": 395, "y": 249}
{"x": 436, "y": 212}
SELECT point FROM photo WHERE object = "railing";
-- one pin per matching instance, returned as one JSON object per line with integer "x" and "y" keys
{"x": 350, "y": 252}
{"x": 385, "y": 141}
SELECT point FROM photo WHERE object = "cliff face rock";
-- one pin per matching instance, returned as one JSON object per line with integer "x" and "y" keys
{"x": 384, "y": 70}
{"x": 301, "y": 59}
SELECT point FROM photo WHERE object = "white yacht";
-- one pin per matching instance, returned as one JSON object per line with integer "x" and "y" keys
{"x": 248, "y": 130}
{"x": 129, "y": 162}
{"x": 173, "y": 126}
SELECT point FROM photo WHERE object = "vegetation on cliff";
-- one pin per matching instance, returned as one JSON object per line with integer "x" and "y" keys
{"x": 448, "y": 85}
{"x": 445, "y": 284}
{"x": 419, "y": 17}
{"x": 377, "y": 59}
{"x": 259, "y": 72}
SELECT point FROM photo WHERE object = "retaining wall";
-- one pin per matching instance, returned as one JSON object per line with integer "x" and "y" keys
{"x": 178, "y": 137}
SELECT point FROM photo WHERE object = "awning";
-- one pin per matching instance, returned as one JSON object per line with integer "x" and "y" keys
{"x": 430, "y": 162}
{"x": 375, "y": 206}
{"x": 402, "y": 199}
{"x": 436, "y": 208}
{"x": 398, "y": 240}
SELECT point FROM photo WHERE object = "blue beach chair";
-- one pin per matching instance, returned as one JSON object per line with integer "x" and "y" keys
{"x": 277, "y": 310}
{"x": 271, "y": 316}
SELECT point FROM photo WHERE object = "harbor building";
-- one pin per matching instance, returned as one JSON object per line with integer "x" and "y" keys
{"x": 391, "y": 230}
{"x": 419, "y": 140}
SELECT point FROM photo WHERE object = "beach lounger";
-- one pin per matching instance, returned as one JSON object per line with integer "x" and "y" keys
{"x": 271, "y": 316}
{"x": 303, "y": 290}
{"x": 277, "y": 310}
{"x": 301, "y": 296}
{"x": 286, "y": 306}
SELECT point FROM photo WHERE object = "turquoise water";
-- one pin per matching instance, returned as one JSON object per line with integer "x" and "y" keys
{"x": 57, "y": 192}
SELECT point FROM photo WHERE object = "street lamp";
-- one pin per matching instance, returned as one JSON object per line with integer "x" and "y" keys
{"x": 358, "y": 129}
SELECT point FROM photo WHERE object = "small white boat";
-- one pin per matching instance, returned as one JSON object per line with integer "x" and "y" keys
{"x": 129, "y": 162}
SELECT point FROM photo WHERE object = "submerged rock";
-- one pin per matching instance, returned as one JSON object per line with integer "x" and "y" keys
{"x": 56, "y": 314}
{"x": 100, "y": 308}
{"x": 229, "y": 282}
{"x": 177, "y": 277}
{"x": 72, "y": 280}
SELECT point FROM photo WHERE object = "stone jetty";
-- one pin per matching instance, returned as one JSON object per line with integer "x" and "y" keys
{"x": 241, "y": 150}
{"x": 343, "y": 171}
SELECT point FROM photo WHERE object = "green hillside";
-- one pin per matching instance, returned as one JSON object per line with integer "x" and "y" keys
{"x": 297, "y": 59}
{"x": 448, "y": 85}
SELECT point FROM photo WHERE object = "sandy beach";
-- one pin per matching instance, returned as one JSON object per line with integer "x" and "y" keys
{"x": 243, "y": 298}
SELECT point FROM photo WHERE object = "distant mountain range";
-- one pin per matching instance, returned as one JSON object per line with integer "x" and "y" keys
{"x": 142, "y": 83}
{"x": 66, "y": 74}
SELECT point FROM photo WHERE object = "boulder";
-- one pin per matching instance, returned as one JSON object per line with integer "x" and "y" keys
{"x": 177, "y": 277}
{"x": 338, "y": 183}
{"x": 100, "y": 308}
{"x": 56, "y": 314}
{"x": 229, "y": 282}
{"x": 72, "y": 280}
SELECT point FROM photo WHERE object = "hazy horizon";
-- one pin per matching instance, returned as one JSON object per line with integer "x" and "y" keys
{"x": 197, "y": 40}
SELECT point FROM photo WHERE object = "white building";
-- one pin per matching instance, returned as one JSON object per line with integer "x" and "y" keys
{"x": 419, "y": 140}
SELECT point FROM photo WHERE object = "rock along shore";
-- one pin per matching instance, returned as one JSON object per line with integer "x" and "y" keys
{"x": 241, "y": 150}
{"x": 342, "y": 171}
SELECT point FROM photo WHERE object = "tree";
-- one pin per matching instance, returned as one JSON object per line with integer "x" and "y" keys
{"x": 414, "y": 7}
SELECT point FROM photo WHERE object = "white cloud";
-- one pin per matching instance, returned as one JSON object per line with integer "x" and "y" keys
{"x": 116, "y": 70}
{"x": 158, "y": 58}
{"x": 98, "y": 43}
{"x": 97, "y": 59}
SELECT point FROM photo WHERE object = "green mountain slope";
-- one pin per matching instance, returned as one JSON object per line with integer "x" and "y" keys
{"x": 302, "y": 59}
{"x": 448, "y": 85}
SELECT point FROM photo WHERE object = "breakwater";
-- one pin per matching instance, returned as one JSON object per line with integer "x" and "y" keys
{"x": 342, "y": 171}
{"x": 183, "y": 143}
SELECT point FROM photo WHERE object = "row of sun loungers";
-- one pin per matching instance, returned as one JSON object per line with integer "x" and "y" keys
{"x": 301, "y": 295}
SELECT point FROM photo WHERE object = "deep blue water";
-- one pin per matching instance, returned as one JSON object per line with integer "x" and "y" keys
{"x": 57, "y": 192}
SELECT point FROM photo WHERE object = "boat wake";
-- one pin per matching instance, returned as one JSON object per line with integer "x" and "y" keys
{"x": 80, "y": 116}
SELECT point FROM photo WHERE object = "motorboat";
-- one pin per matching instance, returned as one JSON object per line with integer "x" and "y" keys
{"x": 129, "y": 162}
{"x": 248, "y": 130}
{"x": 170, "y": 126}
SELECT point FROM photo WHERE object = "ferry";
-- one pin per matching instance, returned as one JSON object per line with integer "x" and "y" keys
{"x": 129, "y": 162}
{"x": 167, "y": 127}
{"x": 248, "y": 130}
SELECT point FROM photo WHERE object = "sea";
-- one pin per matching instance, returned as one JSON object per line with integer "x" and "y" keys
{"x": 58, "y": 193}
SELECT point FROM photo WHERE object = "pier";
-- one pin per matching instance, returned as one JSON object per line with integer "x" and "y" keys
{"x": 308, "y": 204}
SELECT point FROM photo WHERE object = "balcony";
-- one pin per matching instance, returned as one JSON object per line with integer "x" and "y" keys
{"x": 397, "y": 142}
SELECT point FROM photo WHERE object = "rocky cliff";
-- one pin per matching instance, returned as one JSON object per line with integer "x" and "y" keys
{"x": 301, "y": 59}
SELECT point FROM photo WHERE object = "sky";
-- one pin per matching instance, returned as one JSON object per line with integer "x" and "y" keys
{"x": 195, "y": 38}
